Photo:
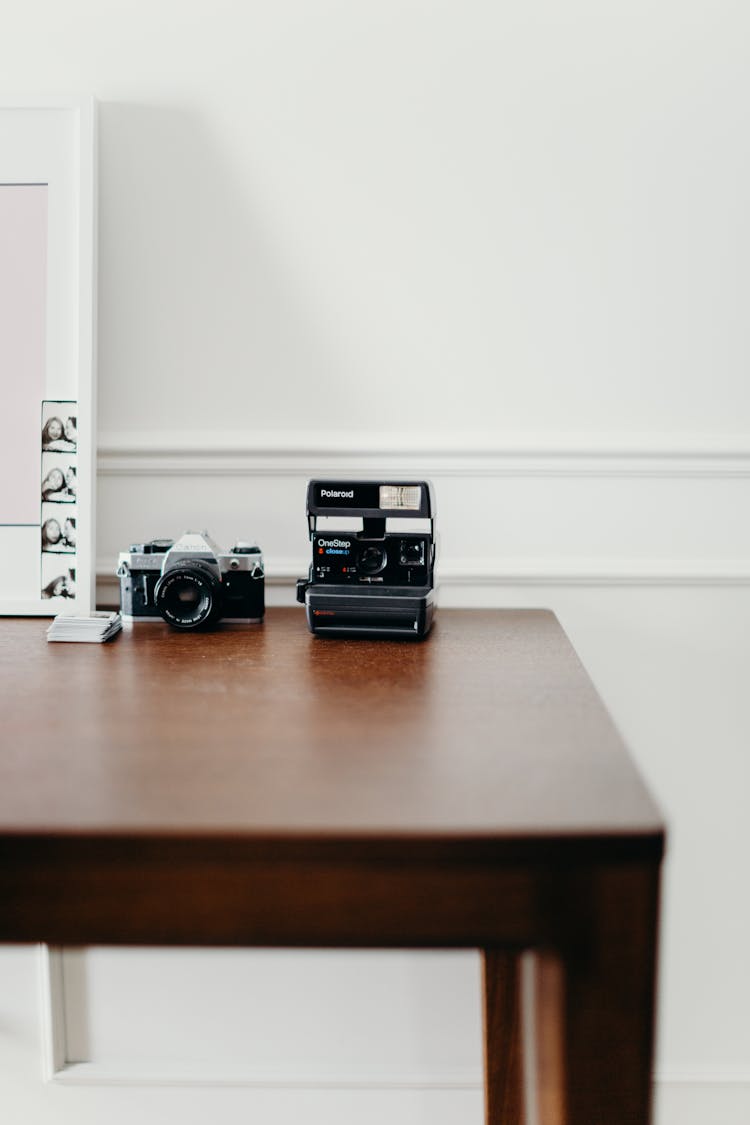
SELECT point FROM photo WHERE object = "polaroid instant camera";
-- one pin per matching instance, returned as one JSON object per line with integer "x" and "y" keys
{"x": 375, "y": 580}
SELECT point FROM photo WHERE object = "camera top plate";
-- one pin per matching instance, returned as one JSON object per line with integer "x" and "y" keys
{"x": 371, "y": 499}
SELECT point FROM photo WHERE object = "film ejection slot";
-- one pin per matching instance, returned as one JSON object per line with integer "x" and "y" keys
{"x": 377, "y": 581}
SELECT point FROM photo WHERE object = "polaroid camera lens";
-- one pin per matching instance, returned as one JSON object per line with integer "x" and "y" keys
{"x": 372, "y": 560}
{"x": 189, "y": 596}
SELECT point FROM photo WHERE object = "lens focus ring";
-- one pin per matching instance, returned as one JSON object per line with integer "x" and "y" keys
{"x": 189, "y": 596}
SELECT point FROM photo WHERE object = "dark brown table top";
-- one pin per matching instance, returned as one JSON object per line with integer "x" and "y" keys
{"x": 264, "y": 787}
{"x": 487, "y": 735}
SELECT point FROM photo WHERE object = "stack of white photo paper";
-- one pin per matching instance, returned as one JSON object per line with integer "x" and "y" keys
{"x": 93, "y": 627}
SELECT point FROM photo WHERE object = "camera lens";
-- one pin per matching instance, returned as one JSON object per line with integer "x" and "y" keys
{"x": 372, "y": 559}
{"x": 189, "y": 596}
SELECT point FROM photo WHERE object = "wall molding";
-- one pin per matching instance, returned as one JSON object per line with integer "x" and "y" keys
{"x": 468, "y": 575}
{"x": 301, "y": 453}
{"x": 52, "y": 1011}
{"x": 58, "y": 1069}
{"x": 699, "y": 475}
{"x": 140, "y": 1075}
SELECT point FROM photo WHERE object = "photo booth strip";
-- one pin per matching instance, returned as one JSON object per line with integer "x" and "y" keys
{"x": 60, "y": 426}
{"x": 59, "y": 528}
{"x": 58, "y": 576}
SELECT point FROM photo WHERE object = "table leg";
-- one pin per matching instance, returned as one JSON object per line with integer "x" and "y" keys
{"x": 548, "y": 1018}
{"x": 503, "y": 1043}
{"x": 608, "y": 1002}
{"x": 587, "y": 1020}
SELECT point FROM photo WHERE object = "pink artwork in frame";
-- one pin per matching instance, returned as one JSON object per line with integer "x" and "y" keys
{"x": 47, "y": 355}
{"x": 23, "y": 336}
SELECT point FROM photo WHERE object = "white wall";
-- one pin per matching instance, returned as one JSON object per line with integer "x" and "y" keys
{"x": 503, "y": 245}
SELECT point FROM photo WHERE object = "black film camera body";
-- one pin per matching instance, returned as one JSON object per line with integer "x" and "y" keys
{"x": 192, "y": 583}
{"x": 375, "y": 581}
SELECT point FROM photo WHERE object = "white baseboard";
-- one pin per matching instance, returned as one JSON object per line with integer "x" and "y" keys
{"x": 699, "y": 1100}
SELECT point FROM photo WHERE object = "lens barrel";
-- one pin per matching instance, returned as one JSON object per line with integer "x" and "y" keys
{"x": 188, "y": 596}
{"x": 372, "y": 559}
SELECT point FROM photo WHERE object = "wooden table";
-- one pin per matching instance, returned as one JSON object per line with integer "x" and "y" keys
{"x": 264, "y": 787}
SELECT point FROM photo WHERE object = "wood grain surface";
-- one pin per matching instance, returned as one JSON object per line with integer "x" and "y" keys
{"x": 263, "y": 787}
{"x": 489, "y": 730}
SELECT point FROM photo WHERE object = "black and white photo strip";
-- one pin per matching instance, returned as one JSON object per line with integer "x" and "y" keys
{"x": 58, "y": 576}
{"x": 59, "y": 478}
{"x": 59, "y": 486}
{"x": 59, "y": 427}
{"x": 58, "y": 530}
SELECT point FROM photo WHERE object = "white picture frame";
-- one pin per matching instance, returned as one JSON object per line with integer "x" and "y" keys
{"x": 48, "y": 161}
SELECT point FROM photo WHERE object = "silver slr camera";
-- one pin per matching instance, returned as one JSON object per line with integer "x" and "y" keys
{"x": 191, "y": 582}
